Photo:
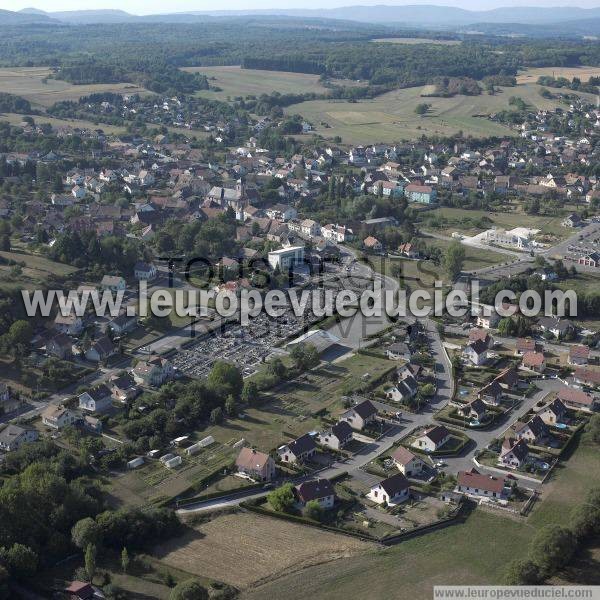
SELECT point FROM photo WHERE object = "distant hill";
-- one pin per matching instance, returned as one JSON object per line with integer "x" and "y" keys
{"x": 508, "y": 21}
{"x": 432, "y": 15}
{"x": 85, "y": 16}
{"x": 8, "y": 17}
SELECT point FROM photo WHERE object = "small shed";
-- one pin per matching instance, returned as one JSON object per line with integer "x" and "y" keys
{"x": 173, "y": 462}
{"x": 194, "y": 449}
{"x": 135, "y": 463}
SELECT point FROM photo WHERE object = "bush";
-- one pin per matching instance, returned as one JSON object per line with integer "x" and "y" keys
{"x": 552, "y": 548}
{"x": 282, "y": 499}
{"x": 190, "y": 589}
{"x": 522, "y": 572}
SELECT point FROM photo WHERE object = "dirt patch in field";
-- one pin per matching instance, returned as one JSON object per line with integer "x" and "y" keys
{"x": 243, "y": 549}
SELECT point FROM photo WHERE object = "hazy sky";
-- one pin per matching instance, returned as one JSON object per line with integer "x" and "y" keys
{"x": 160, "y": 6}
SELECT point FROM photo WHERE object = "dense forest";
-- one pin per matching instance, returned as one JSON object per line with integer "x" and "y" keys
{"x": 151, "y": 54}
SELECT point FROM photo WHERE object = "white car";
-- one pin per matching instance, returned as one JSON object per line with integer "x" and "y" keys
{"x": 439, "y": 464}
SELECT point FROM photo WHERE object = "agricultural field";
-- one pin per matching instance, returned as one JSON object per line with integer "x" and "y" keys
{"x": 244, "y": 549}
{"x": 16, "y": 119}
{"x": 32, "y": 83}
{"x": 480, "y": 549}
{"x": 391, "y": 117}
{"x": 235, "y": 81}
{"x": 413, "y": 40}
{"x": 583, "y": 73}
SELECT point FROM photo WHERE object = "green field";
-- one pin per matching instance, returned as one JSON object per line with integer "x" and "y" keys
{"x": 462, "y": 220}
{"x": 568, "y": 485}
{"x": 235, "y": 81}
{"x": 422, "y": 274}
{"x": 584, "y": 283}
{"x": 391, "y": 117}
{"x": 32, "y": 83}
{"x": 473, "y": 553}
{"x": 33, "y": 270}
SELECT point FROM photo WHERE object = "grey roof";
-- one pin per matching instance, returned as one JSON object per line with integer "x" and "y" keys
{"x": 303, "y": 444}
{"x": 365, "y": 409}
{"x": 395, "y": 484}
{"x": 10, "y": 433}
{"x": 341, "y": 430}
{"x": 313, "y": 490}
{"x": 99, "y": 392}
{"x": 437, "y": 434}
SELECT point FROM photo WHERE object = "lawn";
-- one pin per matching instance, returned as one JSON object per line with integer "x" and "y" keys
{"x": 32, "y": 83}
{"x": 475, "y": 258}
{"x": 31, "y": 273}
{"x": 391, "y": 117}
{"x": 583, "y": 283}
{"x": 568, "y": 484}
{"x": 235, "y": 81}
{"x": 39, "y": 266}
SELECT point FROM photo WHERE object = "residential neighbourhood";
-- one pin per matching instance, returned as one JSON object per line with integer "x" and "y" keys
{"x": 310, "y": 442}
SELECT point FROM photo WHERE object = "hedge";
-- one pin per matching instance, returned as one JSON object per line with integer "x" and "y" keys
{"x": 253, "y": 507}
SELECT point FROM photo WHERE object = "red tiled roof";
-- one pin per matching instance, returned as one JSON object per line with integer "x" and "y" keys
{"x": 474, "y": 479}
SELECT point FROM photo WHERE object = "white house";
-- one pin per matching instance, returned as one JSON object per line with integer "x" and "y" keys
{"x": 152, "y": 372}
{"x": 359, "y": 416}
{"x": 98, "y": 399}
{"x": 534, "y": 431}
{"x": 58, "y": 417}
{"x": 319, "y": 490}
{"x": 144, "y": 271}
{"x": 101, "y": 349}
{"x": 297, "y": 450}
{"x": 255, "y": 464}
{"x": 337, "y": 437}
{"x": 514, "y": 453}
{"x": 473, "y": 483}
{"x": 408, "y": 464}
{"x": 310, "y": 228}
{"x": 69, "y": 324}
{"x": 432, "y": 439}
{"x": 337, "y": 233}
{"x": 476, "y": 352}
{"x": 391, "y": 491}
{"x": 12, "y": 437}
